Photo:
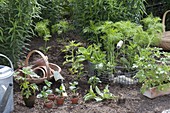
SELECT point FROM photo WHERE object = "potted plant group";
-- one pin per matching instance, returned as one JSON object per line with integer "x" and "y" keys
{"x": 154, "y": 73}
{"x": 73, "y": 87}
{"x": 28, "y": 90}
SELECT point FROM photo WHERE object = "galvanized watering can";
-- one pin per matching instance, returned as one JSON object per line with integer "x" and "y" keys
{"x": 6, "y": 87}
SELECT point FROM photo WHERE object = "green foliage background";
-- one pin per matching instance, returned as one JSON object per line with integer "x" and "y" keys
{"x": 158, "y": 8}
{"x": 102, "y": 10}
{"x": 17, "y": 17}
{"x": 16, "y": 26}
{"x": 55, "y": 10}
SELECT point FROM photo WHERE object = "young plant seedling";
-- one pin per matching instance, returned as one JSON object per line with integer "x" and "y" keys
{"x": 94, "y": 81}
{"x": 73, "y": 87}
{"x": 46, "y": 90}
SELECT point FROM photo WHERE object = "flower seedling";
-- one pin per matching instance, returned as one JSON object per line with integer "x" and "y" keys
{"x": 46, "y": 90}
{"x": 61, "y": 90}
{"x": 60, "y": 99}
{"x": 73, "y": 87}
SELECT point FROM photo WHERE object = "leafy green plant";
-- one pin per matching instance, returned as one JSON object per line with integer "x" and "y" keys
{"x": 76, "y": 54}
{"x": 61, "y": 27}
{"x": 43, "y": 31}
{"x": 106, "y": 10}
{"x": 153, "y": 71}
{"x": 16, "y": 18}
{"x": 153, "y": 28}
{"x": 60, "y": 90}
{"x": 93, "y": 81}
{"x": 93, "y": 54}
{"x": 25, "y": 72}
{"x": 72, "y": 58}
{"x": 73, "y": 87}
{"x": 46, "y": 90}
{"x": 105, "y": 95}
{"x": 134, "y": 37}
{"x": 27, "y": 89}
{"x": 91, "y": 95}
{"x": 55, "y": 10}
{"x": 99, "y": 95}
{"x": 96, "y": 59}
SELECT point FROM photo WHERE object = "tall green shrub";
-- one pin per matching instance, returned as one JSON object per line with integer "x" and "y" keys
{"x": 101, "y": 10}
{"x": 55, "y": 10}
{"x": 16, "y": 26}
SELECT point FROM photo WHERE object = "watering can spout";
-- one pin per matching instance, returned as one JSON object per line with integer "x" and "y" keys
{"x": 5, "y": 98}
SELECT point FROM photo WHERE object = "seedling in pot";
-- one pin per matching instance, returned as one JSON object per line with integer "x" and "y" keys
{"x": 60, "y": 98}
{"x": 73, "y": 88}
{"x": 45, "y": 92}
{"x": 28, "y": 90}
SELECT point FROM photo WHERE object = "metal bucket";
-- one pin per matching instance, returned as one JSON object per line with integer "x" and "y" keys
{"x": 6, "y": 78}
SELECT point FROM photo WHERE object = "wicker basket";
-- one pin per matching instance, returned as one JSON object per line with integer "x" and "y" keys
{"x": 46, "y": 68}
{"x": 165, "y": 40}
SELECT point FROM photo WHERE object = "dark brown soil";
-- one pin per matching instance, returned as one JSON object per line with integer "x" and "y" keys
{"x": 131, "y": 100}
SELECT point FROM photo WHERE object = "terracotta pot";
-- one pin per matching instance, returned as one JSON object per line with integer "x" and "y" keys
{"x": 154, "y": 92}
{"x": 51, "y": 97}
{"x": 48, "y": 104}
{"x": 29, "y": 102}
{"x": 74, "y": 100}
{"x": 60, "y": 100}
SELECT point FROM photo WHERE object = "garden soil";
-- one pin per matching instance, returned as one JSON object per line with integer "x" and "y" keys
{"x": 131, "y": 100}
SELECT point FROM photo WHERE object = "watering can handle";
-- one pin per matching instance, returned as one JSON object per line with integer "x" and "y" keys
{"x": 8, "y": 60}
